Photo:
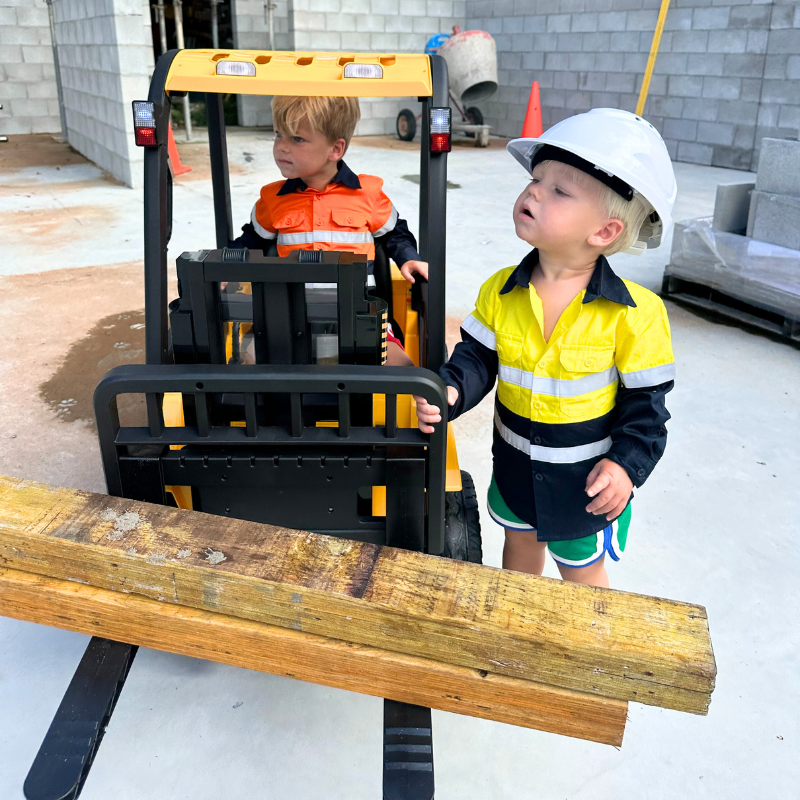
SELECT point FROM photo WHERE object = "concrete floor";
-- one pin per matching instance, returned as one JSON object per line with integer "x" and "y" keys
{"x": 714, "y": 526}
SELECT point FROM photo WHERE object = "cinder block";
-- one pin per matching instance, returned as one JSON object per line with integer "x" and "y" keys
{"x": 779, "y": 167}
{"x": 612, "y": 21}
{"x": 715, "y": 133}
{"x": 558, "y": 23}
{"x": 685, "y": 85}
{"x": 722, "y": 88}
{"x": 710, "y": 18}
{"x": 754, "y": 16}
{"x": 732, "y": 207}
{"x": 695, "y": 153}
{"x": 682, "y": 129}
{"x": 775, "y": 218}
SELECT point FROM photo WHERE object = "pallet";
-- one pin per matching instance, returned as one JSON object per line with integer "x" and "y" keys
{"x": 763, "y": 317}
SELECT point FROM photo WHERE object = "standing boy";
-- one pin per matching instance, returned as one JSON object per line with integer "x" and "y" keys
{"x": 323, "y": 204}
{"x": 583, "y": 358}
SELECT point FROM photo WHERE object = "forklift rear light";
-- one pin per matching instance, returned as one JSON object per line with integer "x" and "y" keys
{"x": 144, "y": 123}
{"x": 440, "y": 130}
{"x": 363, "y": 71}
{"x": 244, "y": 68}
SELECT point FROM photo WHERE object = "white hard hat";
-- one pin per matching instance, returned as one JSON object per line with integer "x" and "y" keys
{"x": 622, "y": 145}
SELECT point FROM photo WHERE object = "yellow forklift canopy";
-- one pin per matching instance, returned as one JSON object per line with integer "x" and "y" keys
{"x": 308, "y": 74}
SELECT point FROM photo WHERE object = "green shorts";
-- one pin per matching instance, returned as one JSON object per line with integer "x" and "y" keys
{"x": 572, "y": 552}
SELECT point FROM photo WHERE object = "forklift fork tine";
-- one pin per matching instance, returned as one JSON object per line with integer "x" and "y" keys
{"x": 63, "y": 762}
{"x": 407, "y": 752}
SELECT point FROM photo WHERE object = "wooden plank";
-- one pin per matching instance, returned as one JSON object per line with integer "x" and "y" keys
{"x": 316, "y": 659}
{"x": 600, "y": 641}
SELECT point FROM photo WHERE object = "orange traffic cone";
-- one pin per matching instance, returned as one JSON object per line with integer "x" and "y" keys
{"x": 174, "y": 158}
{"x": 532, "y": 128}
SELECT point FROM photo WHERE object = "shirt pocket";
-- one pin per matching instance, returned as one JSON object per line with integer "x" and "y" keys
{"x": 509, "y": 356}
{"x": 585, "y": 369}
{"x": 294, "y": 221}
{"x": 349, "y": 220}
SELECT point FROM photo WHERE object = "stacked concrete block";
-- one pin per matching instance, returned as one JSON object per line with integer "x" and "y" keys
{"x": 732, "y": 207}
{"x": 775, "y": 206}
{"x": 726, "y": 74}
{"x": 27, "y": 78}
{"x": 389, "y": 26}
{"x": 106, "y": 56}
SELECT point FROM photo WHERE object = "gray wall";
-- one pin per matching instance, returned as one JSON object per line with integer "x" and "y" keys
{"x": 27, "y": 79}
{"x": 725, "y": 77}
{"x": 106, "y": 55}
{"x": 394, "y": 26}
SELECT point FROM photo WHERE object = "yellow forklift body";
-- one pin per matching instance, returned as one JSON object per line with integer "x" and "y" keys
{"x": 301, "y": 73}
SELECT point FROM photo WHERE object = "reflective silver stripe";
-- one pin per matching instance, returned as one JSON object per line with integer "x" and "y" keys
{"x": 389, "y": 226}
{"x": 551, "y": 455}
{"x": 648, "y": 377}
{"x": 477, "y": 329}
{"x": 556, "y": 387}
{"x": 335, "y": 237}
{"x": 260, "y": 229}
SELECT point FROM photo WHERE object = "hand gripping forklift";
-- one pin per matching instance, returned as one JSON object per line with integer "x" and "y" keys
{"x": 316, "y": 434}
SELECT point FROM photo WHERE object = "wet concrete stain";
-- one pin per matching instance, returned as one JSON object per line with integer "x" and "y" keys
{"x": 115, "y": 340}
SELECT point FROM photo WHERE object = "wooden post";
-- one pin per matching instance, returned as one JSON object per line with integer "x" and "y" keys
{"x": 599, "y": 641}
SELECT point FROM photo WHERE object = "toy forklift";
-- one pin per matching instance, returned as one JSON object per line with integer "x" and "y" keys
{"x": 316, "y": 434}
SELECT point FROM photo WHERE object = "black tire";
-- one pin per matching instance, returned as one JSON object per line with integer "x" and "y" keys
{"x": 474, "y": 116}
{"x": 462, "y": 531}
{"x": 406, "y": 125}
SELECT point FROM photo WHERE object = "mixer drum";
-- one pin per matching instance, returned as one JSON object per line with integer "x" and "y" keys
{"x": 471, "y": 58}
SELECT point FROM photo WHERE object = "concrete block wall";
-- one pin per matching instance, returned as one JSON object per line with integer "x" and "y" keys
{"x": 396, "y": 26}
{"x": 27, "y": 78}
{"x": 106, "y": 56}
{"x": 725, "y": 77}
{"x": 251, "y": 32}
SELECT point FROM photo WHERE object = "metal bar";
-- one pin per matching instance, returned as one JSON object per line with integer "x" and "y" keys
{"x": 344, "y": 415}
{"x": 250, "y": 415}
{"x": 220, "y": 180}
{"x": 177, "y": 6}
{"x": 56, "y": 64}
{"x": 278, "y": 323}
{"x": 405, "y": 502}
{"x": 162, "y": 26}
{"x": 437, "y": 227}
{"x": 155, "y": 414}
{"x": 651, "y": 60}
{"x": 157, "y": 222}
{"x": 296, "y": 414}
{"x": 347, "y": 331}
{"x": 201, "y": 410}
{"x": 391, "y": 415}
{"x": 63, "y": 762}
{"x": 214, "y": 24}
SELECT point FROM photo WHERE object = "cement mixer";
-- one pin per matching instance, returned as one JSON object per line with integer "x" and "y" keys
{"x": 471, "y": 58}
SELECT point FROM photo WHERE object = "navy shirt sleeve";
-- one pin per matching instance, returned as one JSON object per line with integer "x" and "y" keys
{"x": 399, "y": 243}
{"x": 638, "y": 432}
{"x": 250, "y": 239}
{"x": 472, "y": 369}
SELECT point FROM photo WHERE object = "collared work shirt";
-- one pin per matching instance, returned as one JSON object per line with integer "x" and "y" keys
{"x": 595, "y": 390}
{"x": 348, "y": 215}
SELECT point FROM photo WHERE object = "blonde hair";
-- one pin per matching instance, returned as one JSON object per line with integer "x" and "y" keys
{"x": 333, "y": 117}
{"x": 631, "y": 213}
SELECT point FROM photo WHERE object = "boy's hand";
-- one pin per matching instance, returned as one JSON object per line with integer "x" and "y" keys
{"x": 608, "y": 483}
{"x": 411, "y": 267}
{"x": 428, "y": 414}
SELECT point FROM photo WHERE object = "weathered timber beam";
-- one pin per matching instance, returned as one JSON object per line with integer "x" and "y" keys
{"x": 600, "y": 641}
{"x": 316, "y": 659}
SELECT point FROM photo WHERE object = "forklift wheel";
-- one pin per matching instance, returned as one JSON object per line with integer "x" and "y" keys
{"x": 474, "y": 117}
{"x": 462, "y": 534}
{"x": 406, "y": 125}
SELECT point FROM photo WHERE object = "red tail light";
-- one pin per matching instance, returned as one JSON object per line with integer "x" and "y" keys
{"x": 144, "y": 123}
{"x": 440, "y": 130}
{"x": 440, "y": 143}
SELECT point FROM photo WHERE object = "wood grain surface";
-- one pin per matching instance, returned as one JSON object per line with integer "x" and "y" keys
{"x": 598, "y": 641}
{"x": 316, "y": 659}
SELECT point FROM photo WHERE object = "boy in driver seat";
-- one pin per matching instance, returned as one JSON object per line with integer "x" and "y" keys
{"x": 323, "y": 204}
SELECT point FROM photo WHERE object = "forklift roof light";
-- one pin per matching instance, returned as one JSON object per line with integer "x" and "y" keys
{"x": 363, "y": 71}
{"x": 244, "y": 68}
{"x": 144, "y": 123}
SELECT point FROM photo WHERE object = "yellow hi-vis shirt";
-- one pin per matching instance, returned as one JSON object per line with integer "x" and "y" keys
{"x": 594, "y": 390}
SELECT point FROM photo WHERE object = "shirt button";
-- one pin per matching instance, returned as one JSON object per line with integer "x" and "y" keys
{"x": 589, "y": 362}
{"x": 538, "y": 404}
{"x": 350, "y": 219}
{"x": 537, "y": 439}
{"x": 319, "y": 222}
{"x": 539, "y": 476}
{"x": 641, "y": 473}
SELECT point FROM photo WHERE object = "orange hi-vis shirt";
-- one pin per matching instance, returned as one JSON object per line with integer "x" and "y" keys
{"x": 346, "y": 216}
